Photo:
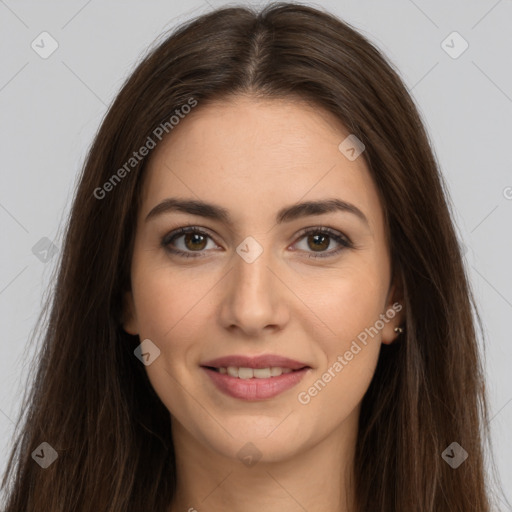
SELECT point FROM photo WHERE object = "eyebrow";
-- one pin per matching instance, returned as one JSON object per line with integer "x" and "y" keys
{"x": 287, "y": 214}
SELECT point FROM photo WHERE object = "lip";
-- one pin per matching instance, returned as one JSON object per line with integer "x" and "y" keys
{"x": 262, "y": 361}
{"x": 255, "y": 389}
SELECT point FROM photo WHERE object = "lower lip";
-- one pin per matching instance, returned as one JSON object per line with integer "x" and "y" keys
{"x": 255, "y": 389}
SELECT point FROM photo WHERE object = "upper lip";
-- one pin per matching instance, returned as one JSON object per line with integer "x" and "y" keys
{"x": 262, "y": 361}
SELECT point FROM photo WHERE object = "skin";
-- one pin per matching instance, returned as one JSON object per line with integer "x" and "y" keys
{"x": 253, "y": 157}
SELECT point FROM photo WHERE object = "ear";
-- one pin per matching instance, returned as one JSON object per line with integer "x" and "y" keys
{"x": 129, "y": 318}
{"x": 394, "y": 313}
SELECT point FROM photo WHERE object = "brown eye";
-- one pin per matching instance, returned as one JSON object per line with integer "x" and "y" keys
{"x": 318, "y": 242}
{"x": 193, "y": 241}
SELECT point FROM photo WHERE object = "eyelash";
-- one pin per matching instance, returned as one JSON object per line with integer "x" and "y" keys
{"x": 342, "y": 240}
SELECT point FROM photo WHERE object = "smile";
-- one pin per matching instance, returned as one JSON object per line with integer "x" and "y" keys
{"x": 254, "y": 383}
{"x": 249, "y": 373}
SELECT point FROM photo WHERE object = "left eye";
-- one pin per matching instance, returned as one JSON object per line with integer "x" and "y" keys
{"x": 320, "y": 238}
{"x": 195, "y": 241}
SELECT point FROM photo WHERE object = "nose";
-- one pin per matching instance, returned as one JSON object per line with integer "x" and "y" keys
{"x": 254, "y": 300}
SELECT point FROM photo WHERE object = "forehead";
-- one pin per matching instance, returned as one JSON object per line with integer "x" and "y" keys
{"x": 246, "y": 153}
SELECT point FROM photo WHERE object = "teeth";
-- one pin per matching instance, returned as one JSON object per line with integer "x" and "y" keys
{"x": 258, "y": 373}
{"x": 245, "y": 373}
{"x": 233, "y": 371}
{"x": 262, "y": 373}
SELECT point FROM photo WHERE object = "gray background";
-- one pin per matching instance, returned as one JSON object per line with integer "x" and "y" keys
{"x": 51, "y": 109}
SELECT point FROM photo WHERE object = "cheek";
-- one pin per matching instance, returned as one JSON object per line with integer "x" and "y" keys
{"x": 170, "y": 303}
{"x": 349, "y": 304}
{"x": 350, "y": 309}
{"x": 347, "y": 300}
{"x": 172, "y": 308}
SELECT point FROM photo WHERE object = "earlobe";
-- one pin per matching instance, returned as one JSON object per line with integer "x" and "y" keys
{"x": 394, "y": 328}
{"x": 129, "y": 319}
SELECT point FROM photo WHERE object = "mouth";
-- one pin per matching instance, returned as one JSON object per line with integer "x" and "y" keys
{"x": 242, "y": 372}
{"x": 254, "y": 384}
{"x": 260, "y": 362}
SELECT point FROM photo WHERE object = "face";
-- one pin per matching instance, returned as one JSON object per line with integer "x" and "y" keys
{"x": 256, "y": 282}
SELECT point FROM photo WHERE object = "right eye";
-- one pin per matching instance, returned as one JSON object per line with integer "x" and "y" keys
{"x": 194, "y": 241}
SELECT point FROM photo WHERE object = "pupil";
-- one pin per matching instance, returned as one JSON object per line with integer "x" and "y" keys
{"x": 195, "y": 240}
{"x": 324, "y": 237}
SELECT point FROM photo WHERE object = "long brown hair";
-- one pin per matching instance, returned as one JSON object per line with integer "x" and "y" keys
{"x": 91, "y": 400}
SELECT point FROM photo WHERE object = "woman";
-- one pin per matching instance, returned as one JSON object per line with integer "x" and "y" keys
{"x": 261, "y": 302}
